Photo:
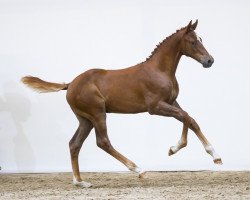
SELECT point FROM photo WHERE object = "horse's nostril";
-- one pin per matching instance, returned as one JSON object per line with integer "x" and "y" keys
{"x": 208, "y": 62}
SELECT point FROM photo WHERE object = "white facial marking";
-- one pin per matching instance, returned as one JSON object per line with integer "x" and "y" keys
{"x": 198, "y": 38}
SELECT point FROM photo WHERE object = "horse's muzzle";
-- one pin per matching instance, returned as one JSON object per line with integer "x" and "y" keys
{"x": 207, "y": 61}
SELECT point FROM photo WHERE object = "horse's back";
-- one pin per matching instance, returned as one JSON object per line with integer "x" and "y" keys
{"x": 118, "y": 90}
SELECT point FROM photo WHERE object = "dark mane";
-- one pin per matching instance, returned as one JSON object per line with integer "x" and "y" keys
{"x": 162, "y": 42}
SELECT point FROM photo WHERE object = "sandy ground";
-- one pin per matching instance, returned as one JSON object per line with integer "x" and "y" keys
{"x": 156, "y": 185}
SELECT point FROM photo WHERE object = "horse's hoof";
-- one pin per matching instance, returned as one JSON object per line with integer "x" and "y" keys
{"x": 142, "y": 175}
{"x": 82, "y": 184}
{"x": 170, "y": 152}
{"x": 218, "y": 161}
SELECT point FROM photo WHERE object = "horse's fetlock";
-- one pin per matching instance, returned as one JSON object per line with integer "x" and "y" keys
{"x": 182, "y": 143}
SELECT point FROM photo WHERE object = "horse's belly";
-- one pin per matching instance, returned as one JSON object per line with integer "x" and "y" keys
{"x": 124, "y": 105}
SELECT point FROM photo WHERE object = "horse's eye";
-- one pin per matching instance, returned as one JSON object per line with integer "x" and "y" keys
{"x": 193, "y": 43}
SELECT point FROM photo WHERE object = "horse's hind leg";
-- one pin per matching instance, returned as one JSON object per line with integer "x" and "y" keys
{"x": 103, "y": 142}
{"x": 75, "y": 145}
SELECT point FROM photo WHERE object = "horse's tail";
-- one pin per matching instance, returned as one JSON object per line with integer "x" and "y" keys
{"x": 43, "y": 86}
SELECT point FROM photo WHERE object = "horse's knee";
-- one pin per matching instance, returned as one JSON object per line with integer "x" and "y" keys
{"x": 185, "y": 117}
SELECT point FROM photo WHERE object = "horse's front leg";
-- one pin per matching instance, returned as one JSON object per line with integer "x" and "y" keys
{"x": 183, "y": 141}
{"x": 164, "y": 109}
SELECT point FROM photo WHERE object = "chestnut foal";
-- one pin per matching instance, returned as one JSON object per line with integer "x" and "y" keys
{"x": 150, "y": 86}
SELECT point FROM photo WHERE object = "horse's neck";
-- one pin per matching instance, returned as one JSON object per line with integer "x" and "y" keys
{"x": 166, "y": 59}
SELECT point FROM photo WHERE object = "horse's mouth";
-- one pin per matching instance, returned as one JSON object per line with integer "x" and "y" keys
{"x": 206, "y": 65}
{"x": 207, "y": 62}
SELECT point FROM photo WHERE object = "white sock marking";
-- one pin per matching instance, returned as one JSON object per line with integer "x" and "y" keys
{"x": 210, "y": 150}
{"x": 137, "y": 170}
{"x": 177, "y": 147}
{"x": 81, "y": 183}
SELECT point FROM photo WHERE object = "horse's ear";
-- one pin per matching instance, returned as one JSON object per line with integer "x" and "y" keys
{"x": 189, "y": 27}
{"x": 194, "y": 25}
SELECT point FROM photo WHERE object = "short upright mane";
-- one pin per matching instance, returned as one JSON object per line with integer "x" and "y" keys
{"x": 163, "y": 42}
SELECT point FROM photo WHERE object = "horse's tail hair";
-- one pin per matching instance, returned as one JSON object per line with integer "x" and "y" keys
{"x": 43, "y": 86}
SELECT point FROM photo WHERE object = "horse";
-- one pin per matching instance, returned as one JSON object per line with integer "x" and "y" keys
{"x": 149, "y": 86}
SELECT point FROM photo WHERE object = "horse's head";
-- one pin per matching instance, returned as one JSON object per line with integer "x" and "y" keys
{"x": 191, "y": 45}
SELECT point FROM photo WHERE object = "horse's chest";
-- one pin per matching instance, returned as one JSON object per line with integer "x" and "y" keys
{"x": 170, "y": 91}
{"x": 174, "y": 93}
